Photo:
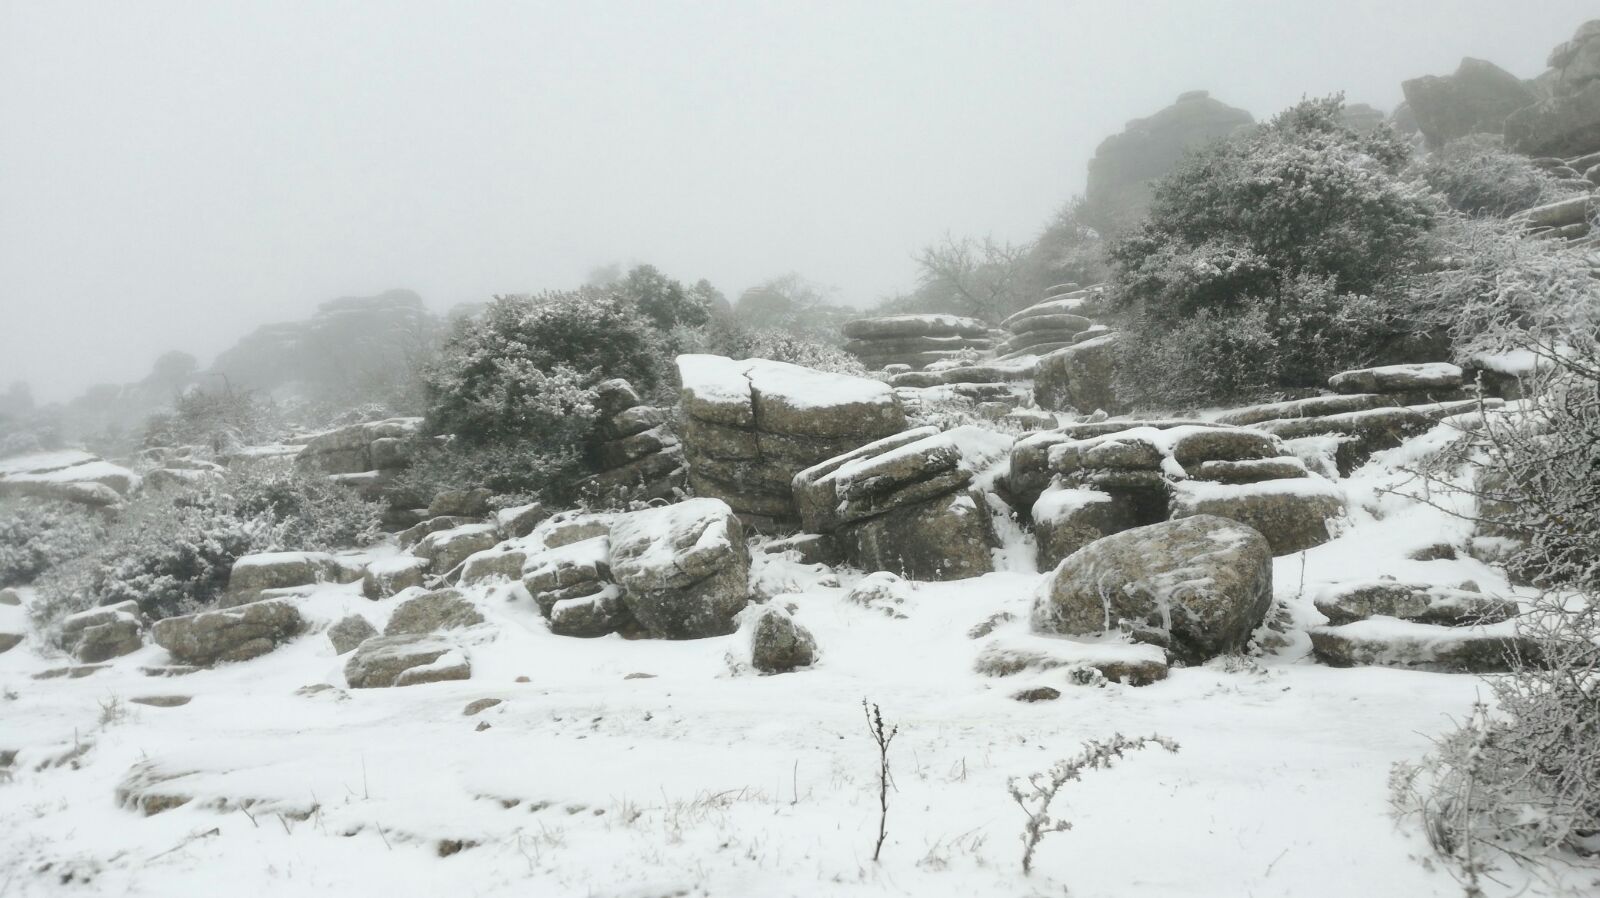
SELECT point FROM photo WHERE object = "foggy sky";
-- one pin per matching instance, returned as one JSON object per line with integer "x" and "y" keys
{"x": 174, "y": 174}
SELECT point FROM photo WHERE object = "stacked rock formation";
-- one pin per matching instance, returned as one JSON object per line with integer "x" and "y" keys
{"x": 1567, "y": 121}
{"x": 909, "y": 503}
{"x": 365, "y": 457}
{"x": 69, "y": 476}
{"x": 916, "y": 340}
{"x": 1048, "y": 325}
{"x": 1374, "y": 409}
{"x": 750, "y": 426}
{"x": 1571, "y": 219}
{"x": 1084, "y": 482}
{"x": 637, "y": 453}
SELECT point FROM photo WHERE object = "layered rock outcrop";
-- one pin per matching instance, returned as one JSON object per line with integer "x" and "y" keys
{"x": 750, "y": 426}
{"x": 637, "y": 452}
{"x": 916, "y": 341}
{"x": 908, "y": 504}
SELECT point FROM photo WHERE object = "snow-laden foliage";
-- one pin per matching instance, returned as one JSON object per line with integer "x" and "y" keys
{"x": 1478, "y": 176}
{"x": 302, "y": 511}
{"x": 528, "y": 365}
{"x": 36, "y": 535}
{"x": 1523, "y": 775}
{"x": 1299, "y": 232}
{"x": 218, "y": 420}
{"x": 172, "y": 551}
{"x": 731, "y": 339}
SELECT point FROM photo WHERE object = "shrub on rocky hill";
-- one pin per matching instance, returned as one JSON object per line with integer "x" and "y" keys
{"x": 1275, "y": 258}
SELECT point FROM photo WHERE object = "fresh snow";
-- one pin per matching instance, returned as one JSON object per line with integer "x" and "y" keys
{"x": 652, "y": 768}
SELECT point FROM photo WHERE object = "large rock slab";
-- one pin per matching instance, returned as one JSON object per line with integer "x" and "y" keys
{"x": 903, "y": 504}
{"x": 684, "y": 569}
{"x": 1080, "y": 377}
{"x": 444, "y": 549}
{"x": 231, "y": 634}
{"x": 1417, "y": 646}
{"x": 1475, "y": 100}
{"x": 1423, "y": 603}
{"x": 408, "y": 660}
{"x": 750, "y": 426}
{"x": 101, "y": 634}
{"x": 1065, "y": 519}
{"x": 569, "y": 571}
{"x": 445, "y": 609}
{"x": 254, "y": 574}
{"x": 1292, "y": 514}
{"x": 1200, "y": 585}
{"x": 1398, "y": 379}
{"x": 1558, "y": 126}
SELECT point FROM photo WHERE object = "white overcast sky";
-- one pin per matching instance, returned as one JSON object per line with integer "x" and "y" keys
{"x": 173, "y": 174}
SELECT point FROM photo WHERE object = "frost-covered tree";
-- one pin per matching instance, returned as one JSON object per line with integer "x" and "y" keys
{"x": 1289, "y": 244}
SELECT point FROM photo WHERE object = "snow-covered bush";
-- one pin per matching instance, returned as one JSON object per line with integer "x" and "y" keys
{"x": 516, "y": 470}
{"x": 1524, "y": 775}
{"x": 171, "y": 553}
{"x": 738, "y": 342}
{"x": 1301, "y": 230}
{"x": 36, "y": 535}
{"x": 1478, "y": 176}
{"x": 218, "y": 420}
{"x": 302, "y": 511}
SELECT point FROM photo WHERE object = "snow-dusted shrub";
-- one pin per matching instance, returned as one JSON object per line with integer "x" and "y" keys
{"x": 1524, "y": 774}
{"x": 527, "y": 367}
{"x": 216, "y": 419}
{"x": 170, "y": 552}
{"x": 36, "y": 535}
{"x": 516, "y": 470}
{"x": 302, "y": 511}
{"x": 1302, "y": 229}
{"x": 738, "y": 342}
{"x": 1478, "y": 176}
{"x": 1035, "y": 793}
{"x": 665, "y": 302}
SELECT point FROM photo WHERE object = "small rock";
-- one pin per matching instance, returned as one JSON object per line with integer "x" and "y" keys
{"x": 10, "y": 596}
{"x": 1037, "y": 694}
{"x": 161, "y": 701}
{"x": 482, "y": 725}
{"x": 482, "y": 704}
{"x": 639, "y": 676}
{"x": 778, "y": 644}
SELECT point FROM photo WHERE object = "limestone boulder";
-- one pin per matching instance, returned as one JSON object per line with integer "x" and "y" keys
{"x": 1200, "y": 585}
{"x": 1398, "y": 379}
{"x": 1418, "y": 646}
{"x": 1292, "y": 514}
{"x": 1080, "y": 377}
{"x": 1423, "y": 603}
{"x": 252, "y": 575}
{"x": 445, "y": 549}
{"x": 444, "y": 609}
{"x": 103, "y": 633}
{"x": 778, "y": 644}
{"x": 567, "y": 572}
{"x": 350, "y": 632}
{"x": 230, "y": 634}
{"x": 1477, "y": 99}
{"x": 386, "y": 576}
{"x": 408, "y": 660}
{"x": 587, "y": 616}
{"x": 684, "y": 569}
{"x": 1065, "y": 519}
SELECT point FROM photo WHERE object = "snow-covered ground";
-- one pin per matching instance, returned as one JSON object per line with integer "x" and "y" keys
{"x": 704, "y": 779}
